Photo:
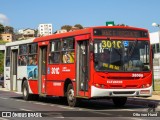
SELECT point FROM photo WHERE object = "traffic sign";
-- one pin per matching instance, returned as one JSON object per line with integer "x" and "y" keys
{"x": 110, "y": 23}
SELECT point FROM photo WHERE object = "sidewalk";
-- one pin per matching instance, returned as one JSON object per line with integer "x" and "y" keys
{"x": 3, "y": 89}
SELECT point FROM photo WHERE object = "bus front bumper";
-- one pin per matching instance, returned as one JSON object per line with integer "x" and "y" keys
{"x": 141, "y": 92}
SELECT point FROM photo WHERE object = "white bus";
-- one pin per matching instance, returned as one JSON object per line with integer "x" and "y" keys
{"x": 15, "y": 70}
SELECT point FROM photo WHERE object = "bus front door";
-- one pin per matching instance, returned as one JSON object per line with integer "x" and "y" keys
{"x": 13, "y": 75}
{"x": 82, "y": 66}
{"x": 42, "y": 70}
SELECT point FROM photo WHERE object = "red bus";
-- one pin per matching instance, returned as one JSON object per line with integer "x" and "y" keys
{"x": 96, "y": 62}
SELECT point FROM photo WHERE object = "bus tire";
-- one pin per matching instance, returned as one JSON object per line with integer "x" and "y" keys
{"x": 71, "y": 99}
{"x": 119, "y": 101}
{"x": 25, "y": 90}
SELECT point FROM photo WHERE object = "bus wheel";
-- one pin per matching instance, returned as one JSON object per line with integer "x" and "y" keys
{"x": 26, "y": 95}
{"x": 119, "y": 101}
{"x": 72, "y": 100}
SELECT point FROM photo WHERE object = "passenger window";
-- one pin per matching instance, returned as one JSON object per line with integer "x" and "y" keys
{"x": 22, "y": 58}
{"x": 54, "y": 55}
{"x": 68, "y": 54}
{"x": 32, "y": 54}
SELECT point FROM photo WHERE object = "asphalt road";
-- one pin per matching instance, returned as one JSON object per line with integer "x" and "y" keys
{"x": 53, "y": 107}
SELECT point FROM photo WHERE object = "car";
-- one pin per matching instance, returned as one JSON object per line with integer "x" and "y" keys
{"x": 2, "y": 81}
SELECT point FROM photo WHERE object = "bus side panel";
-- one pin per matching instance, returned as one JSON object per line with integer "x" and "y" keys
{"x": 68, "y": 72}
{"x": 21, "y": 73}
{"x": 7, "y": 78}
{"x": 55, "y": 88}
{"x": 56, "y": 76}
{"x": 33, "y": 86}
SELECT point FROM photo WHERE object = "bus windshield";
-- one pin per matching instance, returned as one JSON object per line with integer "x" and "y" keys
{"x": 121, "y": 55}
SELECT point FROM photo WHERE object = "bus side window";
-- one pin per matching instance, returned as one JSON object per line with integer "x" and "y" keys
{"x": 22, "y": 58}
{"x": 68, "y": 50}
{"x": 54, "y": 55}
{"x": 8, "y": 50}
{"x": 32, "y": 60}
{"x": 32, "y": 54}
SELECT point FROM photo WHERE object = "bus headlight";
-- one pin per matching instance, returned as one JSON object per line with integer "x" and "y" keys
{"x": 145, "y": 85}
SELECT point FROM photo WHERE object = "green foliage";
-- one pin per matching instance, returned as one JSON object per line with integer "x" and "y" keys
{"x": 157, "y": 85}
{"x": 9, "y": 29}
{"x": 78, "y": 26}
{"x": 69, "y": 27}
{"x": 66, "y": 27}
{"x": 1, "y": 28}
{"x": 3, "y": 42}
{"x": 1, "y": 62}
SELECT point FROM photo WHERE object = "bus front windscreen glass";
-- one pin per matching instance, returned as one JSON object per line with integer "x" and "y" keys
{"x": 121, "y": 55}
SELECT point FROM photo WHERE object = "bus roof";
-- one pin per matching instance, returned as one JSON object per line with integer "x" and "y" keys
{"x": 20, "y": 42}
{"x": 81, "y": 32}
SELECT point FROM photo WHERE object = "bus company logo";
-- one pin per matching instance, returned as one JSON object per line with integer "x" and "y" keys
{"x": 114, "y": 81}
{"x": 65, "y": 69}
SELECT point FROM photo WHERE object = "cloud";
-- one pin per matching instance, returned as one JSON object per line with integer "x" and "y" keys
{"x": 3, "y": 19}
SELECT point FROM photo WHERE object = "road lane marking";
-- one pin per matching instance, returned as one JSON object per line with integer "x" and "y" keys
{"x": 25, "y": 109}
{"x": 127, "y": 109}
{"x": 20, "y": 101}
{"x": 40, "y": 103}
{"x": 65, "y": 107}
{"x": 59, "y": 117}
{"x": 3, "y": 98}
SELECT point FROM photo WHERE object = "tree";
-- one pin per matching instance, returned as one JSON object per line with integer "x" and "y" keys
{"x": 1, "y": 62}
{"x": 36, "y": 33}
{"x": 66, "y": 27}
{"x": 78, "y": 26}
{"x": 1, "y": 28}
{"x": 8, "y": 29}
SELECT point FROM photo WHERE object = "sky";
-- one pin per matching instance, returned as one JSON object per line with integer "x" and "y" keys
{"x": 22, "y": 14}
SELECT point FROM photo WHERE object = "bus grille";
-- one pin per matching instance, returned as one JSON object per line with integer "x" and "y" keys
{"x": 124, "y": 92}
{"x": 124, "y": 78}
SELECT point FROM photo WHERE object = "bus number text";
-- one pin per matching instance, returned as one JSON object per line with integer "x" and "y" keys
{"x": 55, "y": 70}
{"x": 137, "y": 75}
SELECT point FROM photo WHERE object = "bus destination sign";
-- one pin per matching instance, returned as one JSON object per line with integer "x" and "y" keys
{"x": 120, "y": 33}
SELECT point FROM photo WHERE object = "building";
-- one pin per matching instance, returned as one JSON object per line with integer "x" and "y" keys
{"x": 25, "y": 34}
{"x": 7, "y": 37}
{"x": 155, "y": 41}
{"x": 44, "y": 29}
{"x": 29, "y": 33}
{"x": 20, "y": 31}
{"x": 61, "y": 31}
